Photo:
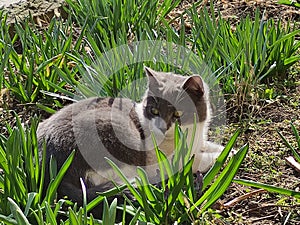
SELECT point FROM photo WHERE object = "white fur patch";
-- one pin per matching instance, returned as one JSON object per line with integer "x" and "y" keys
{"x": 102, "y": 177}
{"x": 149, "y": 126}
{"x": 139, "y": 108}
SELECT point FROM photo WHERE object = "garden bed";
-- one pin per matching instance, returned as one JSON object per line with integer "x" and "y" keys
{"x": 260, "y": 120}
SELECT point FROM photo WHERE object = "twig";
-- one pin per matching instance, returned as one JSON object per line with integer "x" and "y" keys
{"x": 242, "y": 197}
{"x": 271, "y": 206}
{"x": 293, "y": 163}
{"x": 262, "y": 218}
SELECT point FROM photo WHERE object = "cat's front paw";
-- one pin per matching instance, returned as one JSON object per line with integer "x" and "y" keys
{"x": 204, "y": 161}
{"x": 206, "y": 157}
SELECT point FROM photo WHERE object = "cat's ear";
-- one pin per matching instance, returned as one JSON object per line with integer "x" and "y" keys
{"x": 151, "y": 75}
{"x": 194, "y": 84}
{"x": 150, "y": 72}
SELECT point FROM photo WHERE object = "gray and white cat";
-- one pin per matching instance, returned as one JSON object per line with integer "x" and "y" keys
{"x": 120, "y": 129}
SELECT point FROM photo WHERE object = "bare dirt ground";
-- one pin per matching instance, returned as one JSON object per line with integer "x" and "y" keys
{"x": 266, "y": 159}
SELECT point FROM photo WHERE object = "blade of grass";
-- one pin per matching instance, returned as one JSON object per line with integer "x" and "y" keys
{"x": 102, "y": 195}
{"x": 8, "y": 220}
{"x": 222, "y": 182}
{"x": 17, "y": 213}
{"x": 135, "y": 218}
{"x": 73, "y": 218}
{"x": 225, "y": 178}
{"x": 150, "y": 213}
{"x": 296, "y": 133}
{"x": 146, "y": 184}
{"x": 84, "y": 194}
{"x": 161, "y": 158}
{"x": 51, "y": 190}
{"x": 177, "y": 189}
{"x": 125, "y": 180}
{"x": 31, "y": 197}
{"x": 50, "y": 217}
{"x": 269, "y": 188}
{"x": 209, "y": 176}
{"x": 287, "y": 143}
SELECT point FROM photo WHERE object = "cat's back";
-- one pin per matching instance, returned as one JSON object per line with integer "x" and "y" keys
{"x": 62, "y": 120}
{"x": 75, "y": 121}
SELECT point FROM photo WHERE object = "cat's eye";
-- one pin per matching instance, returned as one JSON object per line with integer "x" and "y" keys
{"x": 154, "y": 111}
{"x": 178, "y": 114}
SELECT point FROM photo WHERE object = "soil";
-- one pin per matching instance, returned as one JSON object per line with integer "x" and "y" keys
{"x": 234, "y": 10}
{"x": 265, "y": 161}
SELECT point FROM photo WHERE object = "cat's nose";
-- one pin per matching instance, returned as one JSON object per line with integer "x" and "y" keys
{"x": 163, "y": 129}
{"x": 161, "y": 124}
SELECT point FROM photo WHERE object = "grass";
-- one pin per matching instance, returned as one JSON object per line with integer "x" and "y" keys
{"x": 57, "y": 63}
{"x": 290, "y": 146}
{"x": 290, "y": 2}
{"x": 30, "y": 73}
{"x": 253, "y": 55}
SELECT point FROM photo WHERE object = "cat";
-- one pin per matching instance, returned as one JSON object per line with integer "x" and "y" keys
{"x": 121, "y": 130}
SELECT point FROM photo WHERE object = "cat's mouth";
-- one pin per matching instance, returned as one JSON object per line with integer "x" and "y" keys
{"x": 169, "y": 137}
{"x": 169, "y": 134}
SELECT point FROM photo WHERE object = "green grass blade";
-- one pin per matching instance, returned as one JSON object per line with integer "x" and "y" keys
{"x": 125, "y": 180}
{"x": 73, "y": 218}
{"x": 268, "y": 187}
{"x": 222, "y": 182}
{"x": 105, "y": 215}
{"x": 102, "y": 195}
{"x": 192, "y": 139}
{"x": 55, "y": 183}
{"x": 146, "y": 184}
{"x": 17, "y": 213}
{"x": 3, "y": 160}
{"x": 164, "y": 164}
{"x": 287, "y": 143}
{"x": 42, "y": 173}
{"x": 83, "y": 188}
{"x": 161, "y": 158}
{"x": 178, "y": 187}
{"x": 46, "y": 108}
{"x": 285, "y": 37}
{"x": 113, "y": 211}
{"x": 220, "y": 160}
{"x": 50, "y": 217}
{"x": 150, "y": 213}
{"x": 291, "y": 60}
{"x": 296, "y": 133}
{"x": 8, "y": 220}
{"x": 31, "y": 197}
{"x": 135, "y": 218}
{"x": 225, "y": 178}
{"x": 109, "y": 212}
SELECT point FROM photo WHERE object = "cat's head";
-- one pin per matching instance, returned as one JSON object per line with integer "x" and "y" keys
{"x": 171, "y": 97}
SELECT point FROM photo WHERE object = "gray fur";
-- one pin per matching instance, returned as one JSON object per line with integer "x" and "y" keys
{"x": 120, "y": 129}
